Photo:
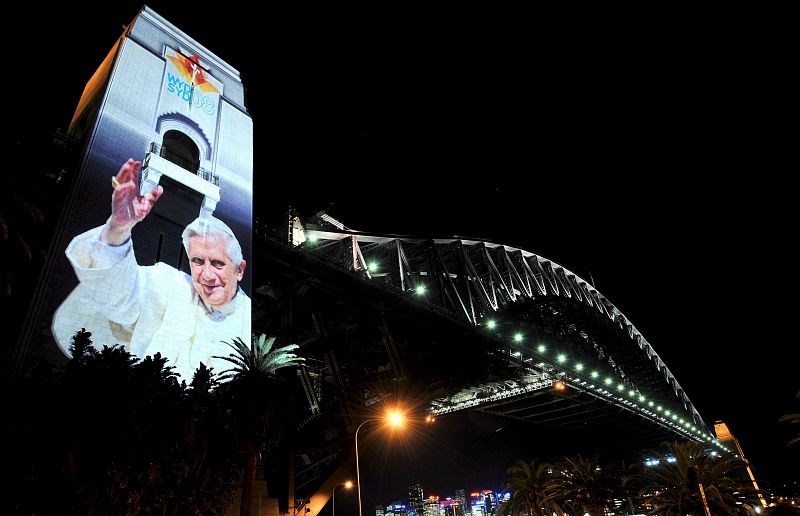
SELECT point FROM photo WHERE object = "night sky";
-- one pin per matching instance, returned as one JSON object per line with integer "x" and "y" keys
{"x": 648, "y": 153}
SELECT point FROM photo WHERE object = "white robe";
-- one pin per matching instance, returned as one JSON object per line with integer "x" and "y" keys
{"x": 146, "y": 309}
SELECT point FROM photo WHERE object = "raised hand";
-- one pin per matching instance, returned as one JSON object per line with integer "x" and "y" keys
{"x": 128, "y": 208}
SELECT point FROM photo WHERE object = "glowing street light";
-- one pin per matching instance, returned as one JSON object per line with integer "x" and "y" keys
{"x": 394, "y": 419}
{"x": 347, "y": 485}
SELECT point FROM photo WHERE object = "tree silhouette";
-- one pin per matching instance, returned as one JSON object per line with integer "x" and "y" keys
{"x": 112, "y": 434}
{"x": 585, "y": 486}
{"x": 532, "y": 490}
{"x": 672, "y": 487}
{"x": 257, "y": 397}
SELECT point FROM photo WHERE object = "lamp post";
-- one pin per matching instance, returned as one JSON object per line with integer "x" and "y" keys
{"x": 395, "y": 419}
{"x": 348, "y": 485}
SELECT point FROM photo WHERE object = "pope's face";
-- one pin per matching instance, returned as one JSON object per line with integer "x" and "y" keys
{"x": 214, "y": 275}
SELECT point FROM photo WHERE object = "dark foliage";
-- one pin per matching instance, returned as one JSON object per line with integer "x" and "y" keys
{"x": 115, "y": 435}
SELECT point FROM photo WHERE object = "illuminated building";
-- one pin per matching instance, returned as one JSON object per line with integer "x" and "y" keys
{"x": 461, "y": 498}
{"x": 161, "y": 98}
{"x": 379, "y": 510}
{"x": 415, "y": 499}
{"x": 430, "y": 506}
{"x": 397, "y": 509}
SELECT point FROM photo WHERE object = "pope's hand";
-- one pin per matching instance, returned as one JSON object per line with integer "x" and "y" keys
{"x": 128, "y": 208}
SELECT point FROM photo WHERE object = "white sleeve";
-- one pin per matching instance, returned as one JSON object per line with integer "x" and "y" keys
{"x": 109, "y": 274}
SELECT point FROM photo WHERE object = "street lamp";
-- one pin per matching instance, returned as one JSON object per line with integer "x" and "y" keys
{"x": 395, "y": 419}
{"x": 347, "y": 485}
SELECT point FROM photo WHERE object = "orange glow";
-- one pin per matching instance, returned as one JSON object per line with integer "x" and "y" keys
{"x": 395, "y": 418}
{"x": 348, "y": 484}
{"x": 560, "y": 386}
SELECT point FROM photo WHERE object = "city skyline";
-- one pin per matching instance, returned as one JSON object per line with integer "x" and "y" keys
{"x": 694, "y": 256}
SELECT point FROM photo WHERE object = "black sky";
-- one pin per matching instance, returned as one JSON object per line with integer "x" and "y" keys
{"x": 648, "y": 151}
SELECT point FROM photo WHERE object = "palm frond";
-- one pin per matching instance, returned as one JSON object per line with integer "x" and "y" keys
{"x": 259, "y": 358}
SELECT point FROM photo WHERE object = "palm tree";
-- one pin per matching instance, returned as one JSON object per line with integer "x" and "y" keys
{"x": 254, "y": 389}
{"x": 585, "y": 486}
{"x": 531, "y": 490}
{"x": 672, "y": 487}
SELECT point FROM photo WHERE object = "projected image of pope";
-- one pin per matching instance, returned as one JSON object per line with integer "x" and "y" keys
{"x": 157, "y": 308}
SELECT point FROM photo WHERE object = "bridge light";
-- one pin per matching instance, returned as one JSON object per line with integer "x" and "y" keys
{"x": 631, "y": 393}
{"x": 608, "y": 381}
{"x": 674, "y": 416}
{"x": 517, "y": 337}
{"x": 559, "y": 386}
{"x": 562, "y": 358}
{"x": 620, "y": 387}
{"x": 668, "y": 413}
{"x": 420, "y": 289}
{"x": 641, "y": 398}
{"x": 372, "y": 266}
{"x": 312, "y": 238}
{"x": 595, "y": 374}
{"x": 491, "y": 324}
{"x": 650, "y": 403}
{"x": 579, "y": 367}
{"x": 541, "y": 348}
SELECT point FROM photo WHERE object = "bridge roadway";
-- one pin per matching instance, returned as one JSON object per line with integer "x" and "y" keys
{"x": 457, "y": 325}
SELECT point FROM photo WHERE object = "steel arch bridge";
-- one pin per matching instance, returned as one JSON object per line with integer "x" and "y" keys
{"x": 571, "y": 358}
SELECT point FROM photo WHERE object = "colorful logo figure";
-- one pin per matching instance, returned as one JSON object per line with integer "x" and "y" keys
{"x": 189, "y": 68}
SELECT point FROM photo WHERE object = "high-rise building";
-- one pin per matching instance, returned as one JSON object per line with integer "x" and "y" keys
{"x": 415, "y": 498}
{"x": 379, "y": 510}
{"x": 163, "y": 99}
{"x": 461, "y": 498}
{"x": 430, "y": 507}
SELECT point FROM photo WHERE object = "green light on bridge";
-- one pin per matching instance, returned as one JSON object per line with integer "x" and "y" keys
{"x": 562, "y": 358}
{"x": 420, "y": 289}
{"x": 491, "y": 324}
{"x": 579, "y": 367}
{"x": 372, "y": 267}
{"x": 595, "y": 374}
{"x": 541, "y": 348}
{"x": 517, "y": 337}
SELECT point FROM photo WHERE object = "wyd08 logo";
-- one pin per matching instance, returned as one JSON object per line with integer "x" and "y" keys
{"x": 190, "y": 93}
